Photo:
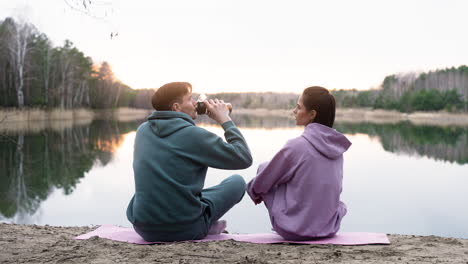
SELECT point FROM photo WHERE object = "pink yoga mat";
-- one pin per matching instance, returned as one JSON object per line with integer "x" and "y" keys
{"x": 124, "y": 234}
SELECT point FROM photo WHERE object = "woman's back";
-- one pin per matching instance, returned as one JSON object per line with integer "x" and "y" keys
{"x": 302, "y": 184}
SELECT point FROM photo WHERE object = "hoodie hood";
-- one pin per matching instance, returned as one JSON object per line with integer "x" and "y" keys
{"x": 165, "y": 123}
{"x": 327, "y": 141}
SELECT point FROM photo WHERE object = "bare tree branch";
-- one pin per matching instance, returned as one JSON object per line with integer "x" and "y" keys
{"x": 84, "y": 6}
{"x": 91, "y": 9}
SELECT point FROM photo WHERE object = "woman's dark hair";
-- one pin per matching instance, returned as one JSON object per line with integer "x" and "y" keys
{"x": 323, "y": 102}
{"x": 168, "y": 94}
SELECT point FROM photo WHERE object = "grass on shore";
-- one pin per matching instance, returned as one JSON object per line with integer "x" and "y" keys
{"x": 355, "y": 115}
{"x": 37, "y": 114}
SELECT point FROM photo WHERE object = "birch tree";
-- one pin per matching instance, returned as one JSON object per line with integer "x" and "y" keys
{"x": 34, "y": 73}
{"x": 21, "y": 35}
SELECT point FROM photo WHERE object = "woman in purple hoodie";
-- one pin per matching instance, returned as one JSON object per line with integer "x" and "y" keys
{"x": 301, "y": 185}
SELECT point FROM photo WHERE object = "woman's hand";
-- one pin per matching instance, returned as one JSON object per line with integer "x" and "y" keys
{"x": 217, "y": 110}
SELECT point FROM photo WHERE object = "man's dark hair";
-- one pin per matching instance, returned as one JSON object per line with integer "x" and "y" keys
{"x": 168, "y": 94}
{"x": 323, "y": 102}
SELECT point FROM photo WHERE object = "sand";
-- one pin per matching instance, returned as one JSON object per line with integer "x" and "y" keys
{"x": 47, "y": 244}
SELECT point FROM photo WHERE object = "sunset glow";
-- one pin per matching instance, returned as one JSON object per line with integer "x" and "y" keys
{"x": 239, "y": 46}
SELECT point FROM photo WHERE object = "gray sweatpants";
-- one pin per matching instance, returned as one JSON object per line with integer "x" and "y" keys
{"x": 219, "y": 199}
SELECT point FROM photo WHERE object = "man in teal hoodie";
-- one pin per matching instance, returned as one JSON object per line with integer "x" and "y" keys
{"x": 170, "y": 161}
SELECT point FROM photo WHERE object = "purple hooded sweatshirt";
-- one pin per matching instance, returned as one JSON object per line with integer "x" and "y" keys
{"x": 301, "y": 185}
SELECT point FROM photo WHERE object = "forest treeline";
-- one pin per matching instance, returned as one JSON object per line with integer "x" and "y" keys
{"x": 445, "y": 89}
{"x": 34, "y": 73}
{"x": 266, "y": 100}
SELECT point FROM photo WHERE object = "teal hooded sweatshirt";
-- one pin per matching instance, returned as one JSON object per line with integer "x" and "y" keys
{"x": 170, "y": 161}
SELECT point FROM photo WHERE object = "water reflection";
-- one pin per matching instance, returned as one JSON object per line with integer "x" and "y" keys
{"x": 33, "y": 164}
{"x": 62, "y": 172}
{"x": 448, "y": 143}
{"x": 438, "y": 143}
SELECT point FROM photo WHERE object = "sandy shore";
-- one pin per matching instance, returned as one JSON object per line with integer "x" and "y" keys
{"x": 46, "y": 244}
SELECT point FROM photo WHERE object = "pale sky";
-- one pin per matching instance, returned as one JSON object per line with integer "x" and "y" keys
{"x": 259, "y": 45}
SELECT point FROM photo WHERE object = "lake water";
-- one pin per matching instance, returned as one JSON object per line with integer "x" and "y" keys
{"x": 398, "y": 178}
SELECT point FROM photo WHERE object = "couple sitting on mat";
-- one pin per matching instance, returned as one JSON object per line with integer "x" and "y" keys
{"x": 300, "y": 186}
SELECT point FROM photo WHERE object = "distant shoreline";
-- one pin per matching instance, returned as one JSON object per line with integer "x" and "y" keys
{"x": 38, "y": 114}
{"x": 20, "y": 117}
{"x": 35, "y": 119}
{"x": 440, "y": 118}
{"x": 368, "y": 115}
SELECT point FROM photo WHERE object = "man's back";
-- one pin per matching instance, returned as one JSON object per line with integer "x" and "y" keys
{"x": 171, "y": 158}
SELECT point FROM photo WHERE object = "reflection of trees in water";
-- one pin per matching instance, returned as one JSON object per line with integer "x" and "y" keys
{"x": 252, "y": 121}
{"x": 32, "y": 165}
{"x": 440, "y": 143}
